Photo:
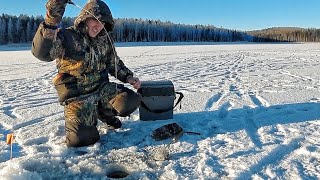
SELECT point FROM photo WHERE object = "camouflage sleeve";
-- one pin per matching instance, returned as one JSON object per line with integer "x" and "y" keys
{"x": 47, "y": 43}
{"x": 122, "y": 71}
{"x": 55, "y": 11}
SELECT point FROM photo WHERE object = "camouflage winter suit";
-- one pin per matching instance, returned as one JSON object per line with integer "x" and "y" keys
{"x": 83, "y": 65}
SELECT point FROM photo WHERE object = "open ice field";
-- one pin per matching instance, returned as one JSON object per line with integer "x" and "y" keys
{"x": 256, "y": 106}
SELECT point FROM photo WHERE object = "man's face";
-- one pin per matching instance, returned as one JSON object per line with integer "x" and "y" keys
{"x": 94, "y": 27}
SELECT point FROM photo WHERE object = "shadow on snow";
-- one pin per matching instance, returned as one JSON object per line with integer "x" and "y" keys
{"x": 211, "y": 123}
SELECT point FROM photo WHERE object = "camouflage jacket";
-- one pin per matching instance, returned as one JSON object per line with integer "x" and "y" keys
{"x": 83, "y": 63}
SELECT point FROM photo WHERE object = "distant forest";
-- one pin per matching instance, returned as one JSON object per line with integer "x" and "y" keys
{"x": 21, "y": 29}
{"x": 286, "y": 34}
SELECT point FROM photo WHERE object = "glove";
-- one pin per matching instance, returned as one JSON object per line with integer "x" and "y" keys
{"x": 55, "y": 11}
{"x": 134, "y": 81}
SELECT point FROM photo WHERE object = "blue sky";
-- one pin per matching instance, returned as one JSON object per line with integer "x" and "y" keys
{"x": 231, "y": 14}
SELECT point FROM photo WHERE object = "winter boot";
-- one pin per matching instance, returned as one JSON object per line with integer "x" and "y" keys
{"x": 113, "y": 123}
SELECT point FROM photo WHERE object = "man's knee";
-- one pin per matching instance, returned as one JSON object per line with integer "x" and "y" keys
{"x": 78, "y": 135}
{"x": 126, "y": 102}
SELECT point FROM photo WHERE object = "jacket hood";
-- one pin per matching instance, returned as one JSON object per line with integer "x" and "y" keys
{"x": 96, "y": 8}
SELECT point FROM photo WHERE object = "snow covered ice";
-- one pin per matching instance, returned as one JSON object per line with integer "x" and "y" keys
{"x": 257, "y": 107}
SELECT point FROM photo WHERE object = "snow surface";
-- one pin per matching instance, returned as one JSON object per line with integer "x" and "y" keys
{"x": 257, "y": 107}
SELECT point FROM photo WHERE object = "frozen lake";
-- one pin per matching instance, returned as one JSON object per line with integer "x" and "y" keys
{"x": 256, "y": 106}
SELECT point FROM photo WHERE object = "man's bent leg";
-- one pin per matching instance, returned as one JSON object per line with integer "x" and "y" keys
{"x": 126, "y": 102}
{"x": 107, "y": 115}
{"x": 80, "y": 124}
{"x": 123, "y": 104}
{"x": 78, "y": 135}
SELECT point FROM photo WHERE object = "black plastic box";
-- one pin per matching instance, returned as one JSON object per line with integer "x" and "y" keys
{"x": 158, "y": 98}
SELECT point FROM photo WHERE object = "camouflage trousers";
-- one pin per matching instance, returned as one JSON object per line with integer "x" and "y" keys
{"x": 81, "y": 115}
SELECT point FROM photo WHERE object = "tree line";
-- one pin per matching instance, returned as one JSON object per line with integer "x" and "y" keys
{"x": 286, "y": 34}
{"x": 21, "y": 29}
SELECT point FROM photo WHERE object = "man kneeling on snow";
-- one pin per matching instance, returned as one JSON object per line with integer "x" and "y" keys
{"x": 85, "y": 55}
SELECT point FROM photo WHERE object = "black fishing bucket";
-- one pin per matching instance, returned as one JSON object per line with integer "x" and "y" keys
{"x": 157, "y": 100}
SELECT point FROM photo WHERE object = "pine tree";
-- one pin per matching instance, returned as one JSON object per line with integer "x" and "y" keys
{"x": 29, "y": 30}
{"x": 2, "y": 31}
{"x": 34, "y": 29}
{"x": 10, "y": 31}
{"x": 18, "y": 33}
